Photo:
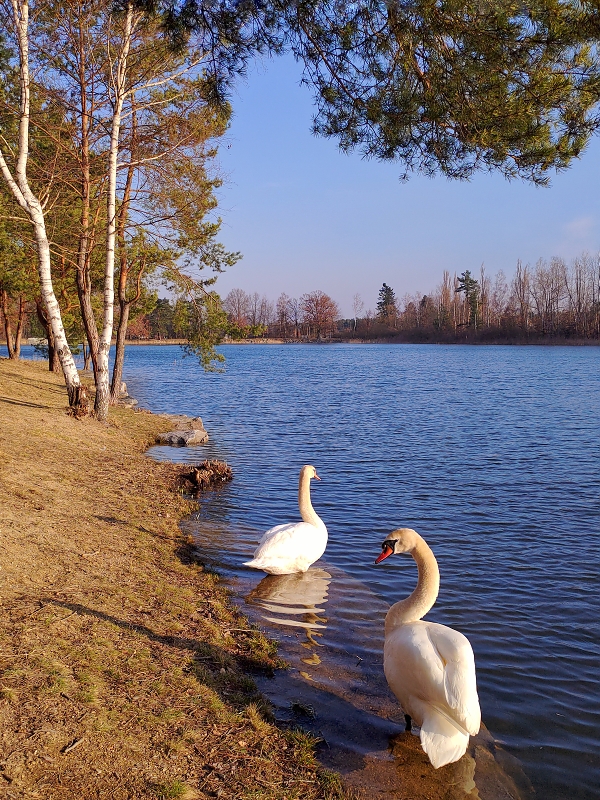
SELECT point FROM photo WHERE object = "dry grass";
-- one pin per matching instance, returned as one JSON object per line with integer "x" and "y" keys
{"x": 121, "y": 674}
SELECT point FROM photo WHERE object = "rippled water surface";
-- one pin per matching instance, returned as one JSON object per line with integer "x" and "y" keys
{"x": 491, "y": 453}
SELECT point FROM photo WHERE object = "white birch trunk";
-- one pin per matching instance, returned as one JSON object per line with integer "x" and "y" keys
{"x": 19, "y": 186}
{"x": 102, "y": 378}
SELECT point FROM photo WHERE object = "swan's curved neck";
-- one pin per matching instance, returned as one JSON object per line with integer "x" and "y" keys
{"x": 307, "y": 512}
{"x": 424, "y": 596}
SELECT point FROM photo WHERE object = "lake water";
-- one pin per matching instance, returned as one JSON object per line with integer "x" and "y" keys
{"x": 491, "y": 453}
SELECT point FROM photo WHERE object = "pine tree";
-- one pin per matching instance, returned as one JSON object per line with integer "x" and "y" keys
{"x": 471, "y": 289}
{"x": 387, "y": 309}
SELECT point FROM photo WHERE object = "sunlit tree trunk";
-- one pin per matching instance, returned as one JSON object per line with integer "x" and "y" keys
{"x": 53, "y": 362}
{"x": 124, "y": 270}
{"x": 84, "y": 288}
{"x": 8, "y": 334}
{"x": 102, "y": 378}
{"x": 19, "y": 186}
{"x": 19, "y": 328}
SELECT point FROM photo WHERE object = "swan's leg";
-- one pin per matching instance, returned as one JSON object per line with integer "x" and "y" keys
{"x": 408, "y": 721}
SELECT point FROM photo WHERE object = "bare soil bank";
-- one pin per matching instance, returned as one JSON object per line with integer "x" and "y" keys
{"x": 124, "y": 668}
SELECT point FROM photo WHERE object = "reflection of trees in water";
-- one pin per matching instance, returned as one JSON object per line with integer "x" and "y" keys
{"x": 293, "y": 600}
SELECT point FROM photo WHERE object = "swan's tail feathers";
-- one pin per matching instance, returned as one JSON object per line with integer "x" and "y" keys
{"x": 271, "y": 566}
{"x": 256, "y": 563}
{"x": 442, "y": 740}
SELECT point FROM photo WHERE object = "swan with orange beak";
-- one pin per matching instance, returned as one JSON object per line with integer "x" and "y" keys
{"x": 429, "y": 667}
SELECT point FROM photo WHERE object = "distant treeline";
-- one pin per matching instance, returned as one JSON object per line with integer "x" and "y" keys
{"x": 551, "y": 301}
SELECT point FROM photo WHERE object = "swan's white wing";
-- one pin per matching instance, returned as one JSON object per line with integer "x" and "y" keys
{"x": 427, "y": 663}
{"x": 272, "y": 532}
{"x": 431, "y": 670}
{"x": 284, "y": 541}
{"x": 413, "y": 668}
{"x": 459, "y": 681}
{"x": 289, "y": 548}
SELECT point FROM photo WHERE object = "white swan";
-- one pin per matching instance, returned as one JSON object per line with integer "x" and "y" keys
{"x": 429, "y": 667}
{"x": 290, "y": 548}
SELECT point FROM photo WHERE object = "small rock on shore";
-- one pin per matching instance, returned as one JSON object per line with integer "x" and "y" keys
{"x": 187, "y": 431}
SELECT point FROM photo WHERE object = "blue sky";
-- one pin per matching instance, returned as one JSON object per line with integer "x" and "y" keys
{"x": 305, "y": 216}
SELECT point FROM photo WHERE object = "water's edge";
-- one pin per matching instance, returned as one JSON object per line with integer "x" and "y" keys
{"x": 341, "y": 697}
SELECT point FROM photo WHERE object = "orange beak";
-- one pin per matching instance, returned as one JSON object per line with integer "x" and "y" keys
{"x": 387, "y": 551}
{"x": 317, "y": 477}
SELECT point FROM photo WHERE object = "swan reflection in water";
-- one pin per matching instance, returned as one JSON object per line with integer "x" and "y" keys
{"x": 294, "y": 600}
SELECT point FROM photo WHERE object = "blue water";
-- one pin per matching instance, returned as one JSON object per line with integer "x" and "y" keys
{"x": 492, "y": 453}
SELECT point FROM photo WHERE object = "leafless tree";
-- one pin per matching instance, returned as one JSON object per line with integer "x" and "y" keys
{"x": 319, "y": 312}
{"x": 295, "y": 315}
{"x": 266, "y": 311}
{"x": 547, "y": 290}
{"x": 357, "y": 307}
{"x": 254, "y": 308}
{"x": 498, "y": 298}
{"x": 237, "y": 306}
{"x": 484, "y": 297}
{"x": 581, "y": 283}
{"x": 284, "y": 314}
{"x": 521, "y": 291}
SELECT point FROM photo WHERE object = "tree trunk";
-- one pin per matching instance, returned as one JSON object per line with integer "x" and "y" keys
{"x": 87, "y": 355}
{"x": 117, "y": 376}
{"x": 7, "y": 324}
{"x": 85, "y": 303}
{"x": 102, "y": 379}
{"x": 19, "y": 331}
{"x": 19, "y": 186}
{"x": 124, "y": 269}
{"x": 84, "y": 289}
{"x": 52, "y": 308}
{"x": 53, "y": 362}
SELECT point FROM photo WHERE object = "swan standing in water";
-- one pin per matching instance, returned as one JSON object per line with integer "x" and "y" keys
{"x": 290, "y": 548}
{"x": 429, "y": 667}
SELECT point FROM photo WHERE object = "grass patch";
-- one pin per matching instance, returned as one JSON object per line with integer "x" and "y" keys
{"x": 175, "y": 790}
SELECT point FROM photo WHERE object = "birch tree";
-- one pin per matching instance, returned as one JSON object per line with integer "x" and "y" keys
{"x": 13, "y": 164}
{"x": 118, "y": 76}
